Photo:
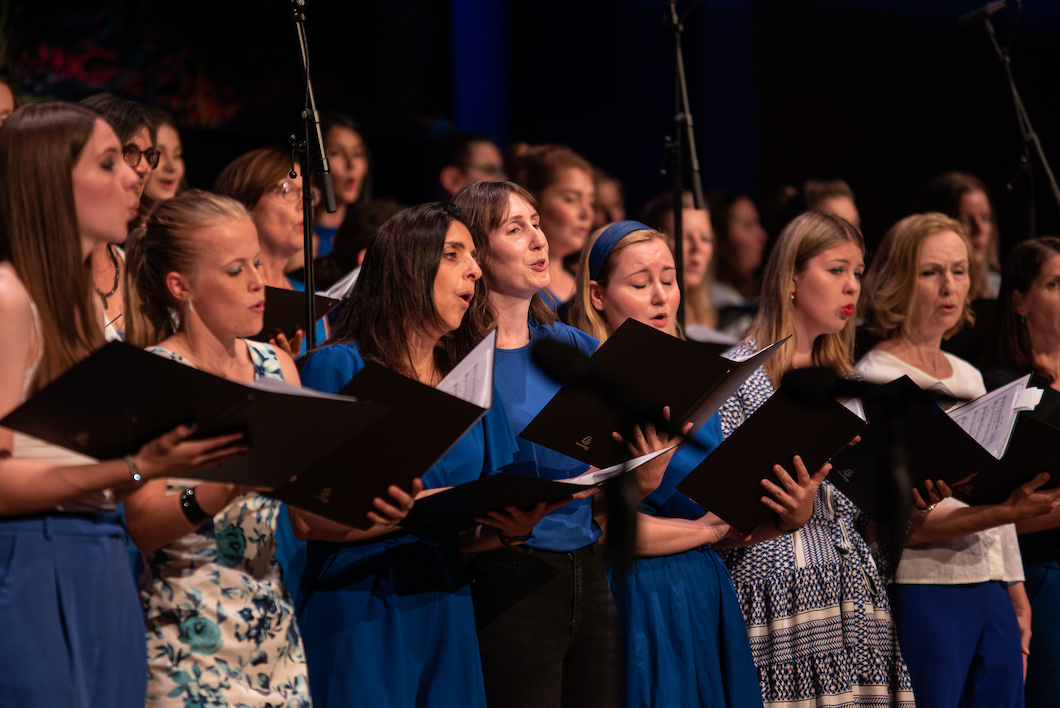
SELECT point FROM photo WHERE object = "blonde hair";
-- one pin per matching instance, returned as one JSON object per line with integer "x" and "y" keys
{"x": 165, "y": 246}
{"x": 806, "y": 236}
{"x": 582, "y": 313}
{"x": 890, "y": 283}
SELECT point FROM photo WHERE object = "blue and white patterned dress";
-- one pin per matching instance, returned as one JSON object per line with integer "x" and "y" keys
{"x": 221, "y": 629}
{"x": 815, "y": 601}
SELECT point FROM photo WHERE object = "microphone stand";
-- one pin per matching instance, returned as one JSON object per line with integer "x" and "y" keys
{"x": 1029, "y": 136}
{"x": 313, "y": 137}
{"x": 682, "y": 147}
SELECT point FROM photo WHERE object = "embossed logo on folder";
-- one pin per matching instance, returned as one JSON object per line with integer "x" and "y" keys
{"x": 585, "y": 442}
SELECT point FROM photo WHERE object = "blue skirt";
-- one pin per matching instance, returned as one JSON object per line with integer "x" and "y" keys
{"x": 390, "y": 623}
{"x": 71, "y": 629}
{"x": 685, "y": 638}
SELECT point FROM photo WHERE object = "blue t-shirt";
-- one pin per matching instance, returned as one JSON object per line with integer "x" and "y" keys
{"x": 326, "y": 238}
{"x": 524, "y": 390}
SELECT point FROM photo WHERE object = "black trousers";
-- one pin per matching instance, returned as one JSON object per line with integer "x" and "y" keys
{"x": 547, "y": 628}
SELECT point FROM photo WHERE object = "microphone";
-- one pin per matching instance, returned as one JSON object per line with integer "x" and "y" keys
{"x": 983, "y": 12}
{"x": 570, "y": 367}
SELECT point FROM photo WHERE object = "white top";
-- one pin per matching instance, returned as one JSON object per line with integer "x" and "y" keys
{"x": 993, "y": 554}
{"x": 27, "y": 447}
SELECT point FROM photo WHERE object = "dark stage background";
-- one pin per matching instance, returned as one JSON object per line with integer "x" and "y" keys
{"x": 883, "y": 93}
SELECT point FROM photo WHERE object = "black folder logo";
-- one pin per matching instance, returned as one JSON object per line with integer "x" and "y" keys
{"x": 845, "y": 474}
{"x": 81, "y": 438}
{"x": 585, "y": 442}
{"x": 325, "y": 495}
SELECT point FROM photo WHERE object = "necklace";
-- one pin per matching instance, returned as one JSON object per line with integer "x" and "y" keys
{"x": 117, "y": 277}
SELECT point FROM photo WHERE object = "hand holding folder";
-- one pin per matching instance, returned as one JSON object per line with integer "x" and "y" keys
{"x": 121, "y": 397}
{"x": 420, "y": 426}
{"x": 691, "y": 380}
{"x": 729, "y": 481}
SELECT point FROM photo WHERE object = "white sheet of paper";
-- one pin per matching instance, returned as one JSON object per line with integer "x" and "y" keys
{"x": 472, "y": 379}
{"x": 855, "y": 406}
{"x": 594, "y": 477}
{"x": 990, "y": 418}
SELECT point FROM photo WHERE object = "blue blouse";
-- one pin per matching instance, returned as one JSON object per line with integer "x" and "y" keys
{"x": 524, "y": 390}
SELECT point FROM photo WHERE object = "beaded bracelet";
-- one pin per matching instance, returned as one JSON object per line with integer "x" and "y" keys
{"x": 134, "y": 470}
{"x": 192, "y": 511}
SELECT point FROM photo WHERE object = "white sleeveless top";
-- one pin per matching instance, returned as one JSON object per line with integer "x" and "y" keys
{"x": 27, "y": 447}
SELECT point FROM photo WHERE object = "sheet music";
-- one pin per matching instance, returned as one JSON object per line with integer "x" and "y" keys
{"x": 594, "y": 478}
{"x": 472, "y": 379}
{"x": 990, "y": 418}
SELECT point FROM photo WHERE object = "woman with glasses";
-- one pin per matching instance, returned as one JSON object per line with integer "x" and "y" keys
{"x": 261, "y": 180}
{"x": 136, "y": 133}
{"x": 167, "y": 177}
{"x": 73, "y": 634}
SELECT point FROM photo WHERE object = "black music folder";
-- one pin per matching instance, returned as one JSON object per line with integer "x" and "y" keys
{"x": 456, "y": 508}
{"x": 422, "y": 425}
{"x": 285, "y": 312}
{"x": 1033, "y": 448}
{"x": 728, "y": 481}
{"x": 121, "y": 396}
{"x": 936, "y": 448}
{"x": 657, "y": 368}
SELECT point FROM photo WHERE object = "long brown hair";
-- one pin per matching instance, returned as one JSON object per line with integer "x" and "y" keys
{"x": 806, "y": 236}
{"x": 487, "y": 205}
{"x": 165, "y": 246}
{"x": 39, "y": 145}
{"x": 394, "y": 292}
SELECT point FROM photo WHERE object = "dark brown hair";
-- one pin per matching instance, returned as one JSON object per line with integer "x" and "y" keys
{"x": 1022, "y": 267}
{"x": 394, "y": 292}
{"x": 126, "y": 117}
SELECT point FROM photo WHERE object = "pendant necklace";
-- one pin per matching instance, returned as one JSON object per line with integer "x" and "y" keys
{"x": 117, "y": 278}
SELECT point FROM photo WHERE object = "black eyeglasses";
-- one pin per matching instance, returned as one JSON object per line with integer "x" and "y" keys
{"x": 132, "y": 155}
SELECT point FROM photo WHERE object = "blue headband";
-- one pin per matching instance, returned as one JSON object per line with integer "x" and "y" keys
{"x": 602, "y": 246}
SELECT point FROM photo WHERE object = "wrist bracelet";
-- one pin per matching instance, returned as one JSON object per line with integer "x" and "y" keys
{"x": 512, "y": 540}
{"x": 134, "y": 470}
{"x": 192, "y": 511}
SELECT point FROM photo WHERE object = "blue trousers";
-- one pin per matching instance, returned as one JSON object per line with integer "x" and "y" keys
{"x": 961, "y": 643}
{"x": 71, "y": 628}
{"x": 1043, "y": 665}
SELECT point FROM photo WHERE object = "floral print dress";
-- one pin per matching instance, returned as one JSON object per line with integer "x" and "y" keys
{"x": 221, "y": 629}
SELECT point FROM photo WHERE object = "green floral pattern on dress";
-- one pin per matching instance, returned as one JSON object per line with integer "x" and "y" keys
{"x": 221, "y": 629}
